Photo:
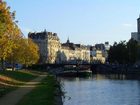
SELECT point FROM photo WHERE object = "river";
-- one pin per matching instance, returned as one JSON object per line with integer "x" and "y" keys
{"x": 102, "y": 90}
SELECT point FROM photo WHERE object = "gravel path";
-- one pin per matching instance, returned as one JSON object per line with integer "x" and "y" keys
{"x": 14, "y": 97}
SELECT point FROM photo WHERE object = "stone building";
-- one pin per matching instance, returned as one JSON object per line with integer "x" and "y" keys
{"x": 52, "y": 51}
{"x": 49, "y": 45}
{"x": 98, "y": 53}
{"x": 75, "y": 52}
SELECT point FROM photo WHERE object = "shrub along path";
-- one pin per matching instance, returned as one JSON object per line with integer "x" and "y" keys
{"x": 15, "y": 96}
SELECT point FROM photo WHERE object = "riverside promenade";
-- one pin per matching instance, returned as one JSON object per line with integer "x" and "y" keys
{"x": 14, "y": 97}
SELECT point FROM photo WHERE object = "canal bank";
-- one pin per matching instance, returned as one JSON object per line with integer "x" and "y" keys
{"x": 115, "y": 69}
{"x": 47, "y": 92}
{"x": 70, "y": 72}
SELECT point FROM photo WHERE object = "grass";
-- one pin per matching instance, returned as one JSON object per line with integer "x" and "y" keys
{"x": 13, "y": 79}
{"x": 19, "y": 75}
{"x": 43, "y": 94}
{"x": 5, "y": 89}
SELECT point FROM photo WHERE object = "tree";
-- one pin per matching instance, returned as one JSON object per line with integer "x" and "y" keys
{"x": 118, "y": 53}
{"x": 132, "y": 47}
{"x": 7, "y": 30}
{"x": 28, "y": 52}
{"x": 14, "y": 48}
{"x": 124, "y": 52}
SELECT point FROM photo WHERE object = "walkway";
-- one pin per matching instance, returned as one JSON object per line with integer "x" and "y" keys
{"x": 15, "y": 96}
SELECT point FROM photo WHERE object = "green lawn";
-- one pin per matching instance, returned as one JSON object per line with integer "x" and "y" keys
{"x": 19, "y": 75}
{"x": 14, "y": 76}
{"x": 43, "y": 94}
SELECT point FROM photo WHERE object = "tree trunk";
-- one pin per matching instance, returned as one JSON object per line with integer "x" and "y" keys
{"x": 2, "y": 64}
{"x": 13, "y": 63}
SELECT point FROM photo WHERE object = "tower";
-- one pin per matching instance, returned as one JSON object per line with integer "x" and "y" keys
{"x": 138, "y": 28}
{"x": 138, "y": 24}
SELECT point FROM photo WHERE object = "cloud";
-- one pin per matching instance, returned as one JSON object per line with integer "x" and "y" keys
{"x": 127, "y": 25}
{"x": 27, "y": 30}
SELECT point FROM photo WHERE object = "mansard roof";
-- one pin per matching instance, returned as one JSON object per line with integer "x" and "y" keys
{"x": 42, "y": 35}
{"x": 70, "y": 46}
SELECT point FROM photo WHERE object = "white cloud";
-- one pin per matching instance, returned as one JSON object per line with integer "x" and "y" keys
{"x": 127, "y": 25}
{"x": 27, "y": 30}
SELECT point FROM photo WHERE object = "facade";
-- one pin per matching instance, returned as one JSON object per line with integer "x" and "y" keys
{"x": 53, "y": 47}
{"x": 75, "y": 52}
{"x": 97, "y": 55}
{"x": 49, "y": 45}
{"x": 104, "y": 48}
{"x": 52, "y": 51}
{"x": 136, "y": 35}
{"x": 107, "y": 46}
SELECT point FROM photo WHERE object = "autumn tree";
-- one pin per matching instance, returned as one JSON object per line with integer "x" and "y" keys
{"x": 29, "y": 52}
{"x": 14, "y": 48}
{"x": 7, "y": 30}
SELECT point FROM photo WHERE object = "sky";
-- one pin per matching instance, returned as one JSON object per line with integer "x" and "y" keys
{"x": 83, "y": 21}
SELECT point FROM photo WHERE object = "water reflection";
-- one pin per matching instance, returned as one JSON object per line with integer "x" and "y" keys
{"x": 102, "y": 90}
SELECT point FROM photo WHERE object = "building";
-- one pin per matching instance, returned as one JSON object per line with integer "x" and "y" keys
{"x": 49, "y": 45}
{"x": 52, "y": 51}
{"x": 107, "y": 46}
{"x": 136, "y": 35}
{"x": 97, "y": 55}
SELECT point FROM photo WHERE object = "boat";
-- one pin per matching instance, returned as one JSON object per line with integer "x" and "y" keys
{"x": 75, "y": 73}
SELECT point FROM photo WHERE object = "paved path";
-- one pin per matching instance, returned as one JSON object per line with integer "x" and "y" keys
{"x": 15, "y": 96}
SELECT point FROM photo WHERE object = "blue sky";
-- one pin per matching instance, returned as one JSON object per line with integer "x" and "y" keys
{"x": 83, "y": 21}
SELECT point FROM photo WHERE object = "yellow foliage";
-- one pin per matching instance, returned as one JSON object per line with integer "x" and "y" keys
{"x": 13, "y": 47}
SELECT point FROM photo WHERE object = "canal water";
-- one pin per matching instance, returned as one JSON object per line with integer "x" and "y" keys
{"x": 102, "y": 90}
